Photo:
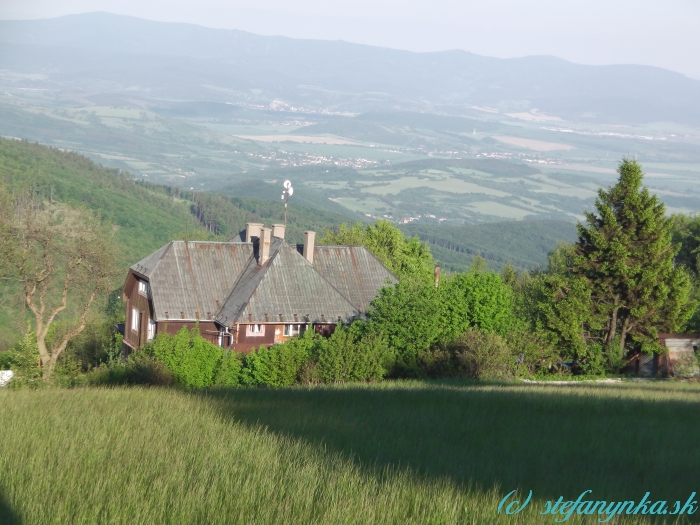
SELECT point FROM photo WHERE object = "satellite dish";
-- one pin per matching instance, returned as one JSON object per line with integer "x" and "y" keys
{"x": 290, "y": 190}
{"x": 287, "y": 184}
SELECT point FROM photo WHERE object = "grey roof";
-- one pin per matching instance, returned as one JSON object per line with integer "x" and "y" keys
{"x": 223, "y": 281}
{"x": 191, "y": 280}
{"x": 285, "y": 287}
{"x": 353, "y": 271}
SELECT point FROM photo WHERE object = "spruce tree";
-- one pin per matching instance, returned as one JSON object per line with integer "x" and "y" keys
{"x": 626, "y": 255}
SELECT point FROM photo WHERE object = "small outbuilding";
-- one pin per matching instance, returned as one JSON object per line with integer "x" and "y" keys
{"x": 681, "y": 347}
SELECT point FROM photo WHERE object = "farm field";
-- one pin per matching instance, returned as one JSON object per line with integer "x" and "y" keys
{"x": 208, "y": 146}
{"x": 395, "y": 452}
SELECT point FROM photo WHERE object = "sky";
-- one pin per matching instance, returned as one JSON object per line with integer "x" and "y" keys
{"x": 651, "y": 32}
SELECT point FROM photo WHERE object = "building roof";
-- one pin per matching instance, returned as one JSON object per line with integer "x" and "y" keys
{"x": 223, "y": 281}
{"x": 191, "y": 280}
{"x": 353, "y": 271}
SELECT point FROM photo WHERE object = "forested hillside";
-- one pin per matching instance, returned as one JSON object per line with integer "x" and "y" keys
{"x": 145, "y": 216}
{"x": 525, "y": 244}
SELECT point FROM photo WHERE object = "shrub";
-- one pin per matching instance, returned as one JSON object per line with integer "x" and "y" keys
{"x": 139, "y": 369}
{"x": 23, "y": 360}
{"x": 278, "y": 365}
{"x": 408, "y": 317}
{"x": 229, "y": 371}
{"x": 483, "y": 355}
{"x": 476, "y": 300}
{"x": 349, "y": 355}
{"x": 533, "y": 351}
{"x": 192, "y": 359}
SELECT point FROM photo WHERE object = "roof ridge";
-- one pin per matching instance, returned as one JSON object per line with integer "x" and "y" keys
{"x": 263, "y": 271}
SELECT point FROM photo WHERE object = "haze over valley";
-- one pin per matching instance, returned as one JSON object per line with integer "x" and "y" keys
{"x": 432, "y": 139}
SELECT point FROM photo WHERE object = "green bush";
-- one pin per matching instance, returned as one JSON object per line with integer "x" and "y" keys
{"x": 349, "y": 355}
{"x": 476, "y": 300}
{"x": 534, "y": 352}
{"x": 229, "y": 371}
{"x": 23, "y": 360}
{"x": 407, "y": 317}
{"x": 192, "y": 359}
{"x": 484, "y": 355}
{"x": 139, "y": 369}
{"x": 279, "y": 365}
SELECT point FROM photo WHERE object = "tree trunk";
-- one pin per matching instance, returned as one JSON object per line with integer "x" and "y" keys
{"x": 612, "y": 328}
{"x": 623, "y": 333}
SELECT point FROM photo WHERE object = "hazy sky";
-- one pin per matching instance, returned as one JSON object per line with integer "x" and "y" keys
{"x": 655, "y": 32}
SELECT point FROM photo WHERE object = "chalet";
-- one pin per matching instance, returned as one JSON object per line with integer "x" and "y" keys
{"x": 251, "y": 291}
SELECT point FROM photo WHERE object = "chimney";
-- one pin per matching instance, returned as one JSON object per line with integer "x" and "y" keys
{"x": 278, "y": 230}
{"x": 252, "y": 229}
{"x": 264, "y": 246}
{"x": 437, "y": 276}
{"x": 309, "y": 243}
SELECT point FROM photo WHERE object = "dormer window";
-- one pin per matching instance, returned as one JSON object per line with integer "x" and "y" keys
{"x": 143, "y": 288}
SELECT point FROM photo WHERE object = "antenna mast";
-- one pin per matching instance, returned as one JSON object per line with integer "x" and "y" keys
{"x": 288, "y": 192}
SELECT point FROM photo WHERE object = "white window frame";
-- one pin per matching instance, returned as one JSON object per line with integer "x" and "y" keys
{"x": 143, "y": 288}
{"x": 135, "y": 318}
{"x": 290, "y": 330}
{"x": 151, "y": 329}
{"x": 256, "y": 330}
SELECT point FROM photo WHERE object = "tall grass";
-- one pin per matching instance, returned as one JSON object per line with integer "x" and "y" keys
{"x": 407, "y": 452}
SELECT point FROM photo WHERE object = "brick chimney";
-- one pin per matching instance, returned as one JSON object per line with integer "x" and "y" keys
{"x": 278, "y": 230}
{"x": 264, "y": 246}
{"x": 252, "y": 229}
{"x": 309, "y": 244}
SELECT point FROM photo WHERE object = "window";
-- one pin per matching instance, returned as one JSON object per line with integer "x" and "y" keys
{"x": 256, "y": 329}
{"x": 135, "y": 320}
{"x": 291, "y": 330}
{"x": 143, "y": 288}
{"x": 151, "y": 329}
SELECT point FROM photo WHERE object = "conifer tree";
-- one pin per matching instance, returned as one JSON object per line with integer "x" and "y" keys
{"x": 626, "y": 255}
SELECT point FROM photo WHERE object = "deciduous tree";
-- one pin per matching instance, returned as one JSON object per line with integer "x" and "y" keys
{"x": 64, "y": 259}
{"x": 406, "y": 258}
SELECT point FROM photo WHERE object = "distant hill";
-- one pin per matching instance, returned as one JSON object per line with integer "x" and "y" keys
{"x": 523, "y": 243}
{"x": 189, "y": 62}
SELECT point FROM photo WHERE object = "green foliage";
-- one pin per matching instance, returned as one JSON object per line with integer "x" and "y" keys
{"x": 626, "y": 255}
{"x": 139, "y": 369}
{"x": 278, "y": 365}
{"x": 408, "y": 316}
{"x": 476, "y": 300}
{"x": 405, "y": 258}
{"x": 484, "y": 355}
{"x": 192, "y": 359}
{"x": 23, "y": 360}
{"x": 229, "y": 371}
{"x": 525, "y": 244}
{"x": 351, "y": 354}
{"x": 686, "y": 233}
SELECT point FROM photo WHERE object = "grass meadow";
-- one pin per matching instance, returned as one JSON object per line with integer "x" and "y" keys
{"x": 396, "y": 452}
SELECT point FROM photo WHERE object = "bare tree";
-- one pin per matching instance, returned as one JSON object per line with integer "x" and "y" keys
{"x": 63, "y": 259}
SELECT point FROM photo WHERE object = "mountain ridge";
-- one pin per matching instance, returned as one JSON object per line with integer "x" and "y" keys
{"x": 223, "y": 64}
